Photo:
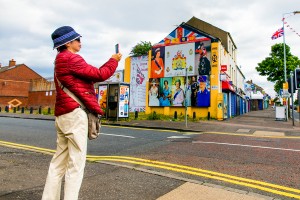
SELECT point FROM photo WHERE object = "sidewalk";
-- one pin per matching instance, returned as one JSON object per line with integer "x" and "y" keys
{"x": 262, "y": 120}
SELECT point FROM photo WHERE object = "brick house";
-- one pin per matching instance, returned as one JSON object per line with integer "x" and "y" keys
{"x": 15, "y": 81}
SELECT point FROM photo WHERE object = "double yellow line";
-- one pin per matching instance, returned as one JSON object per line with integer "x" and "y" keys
{"x": 260, "y": 185}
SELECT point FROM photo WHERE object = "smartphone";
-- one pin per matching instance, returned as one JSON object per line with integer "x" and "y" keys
{"x": 117, "y": 48}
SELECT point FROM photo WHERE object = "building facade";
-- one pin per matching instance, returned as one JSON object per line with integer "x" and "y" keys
{"x": 193, "y": 70}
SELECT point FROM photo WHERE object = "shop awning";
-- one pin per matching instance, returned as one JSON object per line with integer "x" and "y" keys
{"x": 227, "y": 86}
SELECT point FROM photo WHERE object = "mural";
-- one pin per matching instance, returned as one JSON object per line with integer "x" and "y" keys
{"x": 182, "y": 53}
{"x": 138, "y": 77}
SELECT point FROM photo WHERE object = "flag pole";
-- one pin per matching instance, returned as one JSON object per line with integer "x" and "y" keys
{"x": 284, "y": 54}
{"x": 284, "y": 64}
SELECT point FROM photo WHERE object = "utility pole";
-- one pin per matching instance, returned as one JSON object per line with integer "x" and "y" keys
{"x": 292, "y": 95}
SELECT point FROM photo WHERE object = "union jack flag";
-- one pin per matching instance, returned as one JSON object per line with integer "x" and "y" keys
{"x": 278, "y": 34}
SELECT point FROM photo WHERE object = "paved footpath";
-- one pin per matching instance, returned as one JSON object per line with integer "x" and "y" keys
{"x": 22, "y": 173}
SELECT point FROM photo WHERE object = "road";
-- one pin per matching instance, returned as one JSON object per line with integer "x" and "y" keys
{"x": 214, "y": 158}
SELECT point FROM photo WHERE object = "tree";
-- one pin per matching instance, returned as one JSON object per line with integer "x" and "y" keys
{"x": 141, "y": 49}
{"x": 273, "y": 66}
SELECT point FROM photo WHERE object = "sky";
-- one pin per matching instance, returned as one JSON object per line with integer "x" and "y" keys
{"x": 26, "y": 27}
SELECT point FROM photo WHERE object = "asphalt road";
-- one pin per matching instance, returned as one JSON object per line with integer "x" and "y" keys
{"x": 271, "y": 160}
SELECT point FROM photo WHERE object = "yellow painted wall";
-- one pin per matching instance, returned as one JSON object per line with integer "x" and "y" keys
{"x": 127, "y": 70}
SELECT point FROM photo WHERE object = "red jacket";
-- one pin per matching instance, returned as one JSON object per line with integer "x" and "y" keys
{"x": 79, "y": 77}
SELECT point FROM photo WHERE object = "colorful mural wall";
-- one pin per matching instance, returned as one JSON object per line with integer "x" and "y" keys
{"x": 182, "y": 54}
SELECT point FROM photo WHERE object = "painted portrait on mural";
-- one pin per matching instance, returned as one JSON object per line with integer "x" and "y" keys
{"x": 178, "y": 91}
{"x": 194, "y": 89}
{"x": 203, "y": 94}
{"x": 202, "y": 57}
{"x": 188, "y": 91}
{"x": 157, "y": 62}
{"x": 154, "y": 92}
{"x": 165, "y": 92}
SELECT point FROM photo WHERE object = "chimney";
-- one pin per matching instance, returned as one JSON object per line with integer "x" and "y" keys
{"x": 12, "y": 63}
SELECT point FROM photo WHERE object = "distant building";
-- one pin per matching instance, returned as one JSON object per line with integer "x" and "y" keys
{"x": 14, "y": 84}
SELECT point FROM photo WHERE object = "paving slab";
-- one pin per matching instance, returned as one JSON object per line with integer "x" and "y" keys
{"x": 192, "y": 191}
{"x": 268, "y": 133}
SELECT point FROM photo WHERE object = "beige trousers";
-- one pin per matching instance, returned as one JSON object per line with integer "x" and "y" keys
{"x": 70, "y": 157}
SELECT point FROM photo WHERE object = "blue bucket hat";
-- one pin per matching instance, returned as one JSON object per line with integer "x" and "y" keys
{"x": 63, "y": 35}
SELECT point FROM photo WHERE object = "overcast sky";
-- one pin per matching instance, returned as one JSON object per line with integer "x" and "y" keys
{"x": 26, "y": 27}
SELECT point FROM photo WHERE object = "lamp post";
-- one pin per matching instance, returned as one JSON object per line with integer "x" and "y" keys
{"x": 284, "y": 54}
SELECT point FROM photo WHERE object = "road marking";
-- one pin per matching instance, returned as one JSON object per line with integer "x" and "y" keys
{"x": 247, "y": 135}
{"x": 245, "y": 145}
{"x": 115, "y": 135}
{"x": 264, "y": 186}
{"x": 179, "y": 137}
{"x": 140, "y": 128}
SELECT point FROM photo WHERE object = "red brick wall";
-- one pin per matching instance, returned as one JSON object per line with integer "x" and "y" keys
{"x": 42, "y": 98}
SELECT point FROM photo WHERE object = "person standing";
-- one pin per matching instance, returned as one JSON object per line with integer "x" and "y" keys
{"x": 71, "y": 121}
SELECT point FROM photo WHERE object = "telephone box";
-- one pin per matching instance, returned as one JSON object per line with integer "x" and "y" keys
{"x": 113, "y": 98}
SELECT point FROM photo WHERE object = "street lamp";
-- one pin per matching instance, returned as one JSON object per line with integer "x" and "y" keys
{"x": 284, "y": 54}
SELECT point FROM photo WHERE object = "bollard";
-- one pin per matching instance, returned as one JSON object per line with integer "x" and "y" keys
{"x": 18, "y": 109}
{"x": 22, "y": 110}
{"x": 208, "y": 116}
{"x": 0, "y": 109}
{"x": 175, "y": 115}
{"x": 31, "y": 110}
{"x": 6, "y": 109}
{"x": 40, "y": 110}
{"x": 49, "y": 111}
{"x": 194, "y": 115}
{"x": 15, "y": 109}
{"x": 136, "y": 114}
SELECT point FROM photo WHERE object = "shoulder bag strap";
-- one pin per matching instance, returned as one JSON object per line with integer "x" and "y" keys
{"x": 66, "y": 90}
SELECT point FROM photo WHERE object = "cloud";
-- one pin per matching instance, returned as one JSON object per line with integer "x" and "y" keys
{"x": 26, "y": 28}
